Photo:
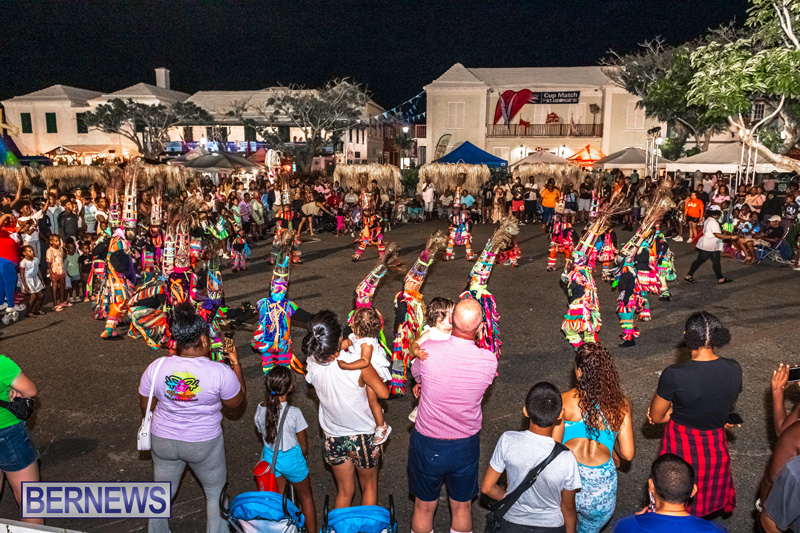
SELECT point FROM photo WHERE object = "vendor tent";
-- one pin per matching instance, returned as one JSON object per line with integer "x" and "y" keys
{"x": 587, "y": 156}
{"x": 724, "y": 158}
{"x": 220, "y": 162}
{"x": 472, "y": 155}
{"x": 628, "y": 159}
{"x": 541, "y": 157}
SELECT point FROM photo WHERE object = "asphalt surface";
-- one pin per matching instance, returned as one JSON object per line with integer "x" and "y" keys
{"x": 88, "y": 415}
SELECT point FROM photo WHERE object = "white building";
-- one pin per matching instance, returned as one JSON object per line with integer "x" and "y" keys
{"x": 513, "y": 112}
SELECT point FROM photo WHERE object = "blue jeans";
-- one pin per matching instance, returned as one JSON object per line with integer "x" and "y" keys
{"x": 8, "y": 281}
{"x": 547, "y": 214}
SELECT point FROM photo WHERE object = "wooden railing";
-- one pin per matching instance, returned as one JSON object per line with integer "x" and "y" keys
{"x": 420, "y": 131}
{"x": 544, "y": 130}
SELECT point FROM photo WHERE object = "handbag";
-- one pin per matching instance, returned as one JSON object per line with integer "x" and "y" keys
{"x": 265, "y": 472}
{"x": 20, "y": 407}
{"x": 494, "y": 520}
{"x": 143, "y": 439}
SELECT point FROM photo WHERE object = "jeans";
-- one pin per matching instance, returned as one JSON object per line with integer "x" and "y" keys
{"x": 547, "y": 214}
{"x": 8, "y": 281}
{"x": 702, "y": 257}
{"x": 207, "y": 460}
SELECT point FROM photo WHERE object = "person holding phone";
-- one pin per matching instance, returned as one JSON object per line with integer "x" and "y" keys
{"x": 696, "y": 400}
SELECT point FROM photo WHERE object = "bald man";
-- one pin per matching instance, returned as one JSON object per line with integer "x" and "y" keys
{"x": 445, "y": 444}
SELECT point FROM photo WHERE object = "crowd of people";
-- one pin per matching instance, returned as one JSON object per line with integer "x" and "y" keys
{"x": 151, "y": 262}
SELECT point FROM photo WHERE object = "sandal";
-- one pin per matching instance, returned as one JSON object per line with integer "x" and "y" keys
{"x": 690, "y": 279}
{"x": 58, "y": 309}
{"x": 726, "y": 280}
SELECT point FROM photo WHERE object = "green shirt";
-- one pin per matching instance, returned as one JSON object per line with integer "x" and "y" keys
{"x": 8, "y": 373}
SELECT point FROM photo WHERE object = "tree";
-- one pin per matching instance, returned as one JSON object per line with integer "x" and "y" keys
{"x": 660, "y": 76}
{"x": 323, "y": 115}
{"x": 764, "y": 65}
{"x": 147, "y": 125}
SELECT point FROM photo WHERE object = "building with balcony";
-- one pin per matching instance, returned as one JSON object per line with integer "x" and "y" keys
{"x": 513, "y": 112}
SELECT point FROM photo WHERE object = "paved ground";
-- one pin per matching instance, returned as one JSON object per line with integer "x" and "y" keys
{"x": 88, "y": 413}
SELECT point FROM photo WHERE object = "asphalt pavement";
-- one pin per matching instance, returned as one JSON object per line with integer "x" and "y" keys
{"x": 88, "y": 414}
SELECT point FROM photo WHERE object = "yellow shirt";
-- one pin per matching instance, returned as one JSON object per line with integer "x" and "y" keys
{"x": 549, "y": 197}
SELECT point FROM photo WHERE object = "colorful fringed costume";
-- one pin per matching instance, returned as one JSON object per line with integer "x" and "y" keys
{"x": 582, "y": 321}
{"x": 627, "y": 282}
{"x": 97, "y": 276}
{"x": 210, "y": 306}
{"x": 459, "y": 230}
{"x": 118, "y": 285}
{"x": 273, "y": 337}
{"x": 665, "y": 264}
{"x": 146, "y": 312}
{"x": 489, "y": 337}
{"x": 283, "y": 228}
{"x": 410, "y": 306}
{"x": 511, "y": 254}
{"x": 608, "y": 253}
{"x": 647, "y": 277}
{"x": 239, "y": 251}
{"x": 562, "y": 240}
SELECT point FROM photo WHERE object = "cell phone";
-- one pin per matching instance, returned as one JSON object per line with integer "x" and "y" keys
{"x": 734, "y": 419}
{"x": 794, "y": 374}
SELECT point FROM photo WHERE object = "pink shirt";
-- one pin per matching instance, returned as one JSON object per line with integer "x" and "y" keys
{"x": 454, "y": 378}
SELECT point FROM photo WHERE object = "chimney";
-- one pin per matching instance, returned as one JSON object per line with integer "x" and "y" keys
{"x": 162, "y": 77}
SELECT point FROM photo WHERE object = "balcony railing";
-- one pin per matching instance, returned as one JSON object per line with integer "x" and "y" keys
{"x": 544, "y": 130}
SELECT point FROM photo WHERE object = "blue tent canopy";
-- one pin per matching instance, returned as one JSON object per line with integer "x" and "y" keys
{"x": 471, "y": 154}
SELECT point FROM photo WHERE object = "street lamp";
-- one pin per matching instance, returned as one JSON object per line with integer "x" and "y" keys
{"x": 405, "y": 129}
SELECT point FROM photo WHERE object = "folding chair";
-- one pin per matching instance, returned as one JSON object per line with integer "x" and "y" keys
{"x": 773, "y": 253}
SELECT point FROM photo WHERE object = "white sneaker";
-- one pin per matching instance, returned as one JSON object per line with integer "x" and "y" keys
{"x": 678, "y": 239}
{"x": 20, "y": 307}
{"x": 3, "y": 307}
{"x": 413, "y": 415}
{"x": 382, "y": 433}
{"x": 6, "y": 319}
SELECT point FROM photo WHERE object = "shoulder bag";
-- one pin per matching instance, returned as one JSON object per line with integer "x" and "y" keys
{"x": 20, "y": 407}
{"x": 494, "y": 520}
{"x": 143, "y": 439}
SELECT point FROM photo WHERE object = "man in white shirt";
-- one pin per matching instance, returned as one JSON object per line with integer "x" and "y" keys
{"x": 550, "y": 502}
{"x": 709, "y": 246}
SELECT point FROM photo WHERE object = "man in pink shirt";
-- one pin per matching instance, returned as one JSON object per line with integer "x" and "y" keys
{"x": 445, "y": 445}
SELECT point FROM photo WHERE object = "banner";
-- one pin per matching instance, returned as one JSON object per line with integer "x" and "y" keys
{"x": 559, "y": 97}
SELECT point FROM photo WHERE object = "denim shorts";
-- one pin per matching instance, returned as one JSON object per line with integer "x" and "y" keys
{"x": 291, "y": 464}
{"x": 16, "y": 448}
{"x": 432, "y": 462}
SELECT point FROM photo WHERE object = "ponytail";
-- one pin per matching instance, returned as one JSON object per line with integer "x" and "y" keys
{"x": 277, "y": 383}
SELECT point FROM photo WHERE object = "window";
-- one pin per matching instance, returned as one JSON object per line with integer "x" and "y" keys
{"x": 82, "y": 128}
{"x": 577, "y": 113}
{"x": 25, "y": 120}
{"x": 350, "y": 136}
{"x": 455, "y": 115}
{"x": 635, "y": 116}
{"x": 50, "y": 119}
{"x": 758, "y": 112}
{"x": 283, "y": 133}
{"x": 249, "y": 134}
{"x": 358, "y": 155}
{"x": 188, "y": 134}
{"x": 540, "y": 112}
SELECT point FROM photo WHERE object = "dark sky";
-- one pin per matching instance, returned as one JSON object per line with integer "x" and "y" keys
{"x": 394, "y": 48}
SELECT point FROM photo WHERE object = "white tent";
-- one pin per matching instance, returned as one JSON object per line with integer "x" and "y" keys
{"x": 724, "y": 158}
{"x": 628, "y": 159}
{"x": 542, "y": 157}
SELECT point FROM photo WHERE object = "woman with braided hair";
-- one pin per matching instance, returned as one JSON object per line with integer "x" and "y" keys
{"x": 597, "y": 428}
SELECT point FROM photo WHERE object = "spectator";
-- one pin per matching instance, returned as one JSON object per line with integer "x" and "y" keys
{"x": 780, "y": 486}
{"x": 709, "y": 246}
{"x": 671, "y": 486}
{"x": 18, "y": 456}
{"x": 693, "y": 212}
{"x": 596, "y": 415}
{"x": 549, "y": 196}
{"x": 771, "y": 236}
{"x": 531, "y": 193}
{"x": 351, "y": 198}
{"x": 696, "y": 399}
{"x": 570, "y": 202}
{"x": 755, "y": 199}
{"x": 190, "y": 390}
{"x": 550, "y": 504}
{"x": 445, "y": 444}
{"x": 585, "y": 198}
{"x": 487, "y": 197}
{"x": 256, "y": 218}
{"x": 428, "y": 196}
{"x": 9, "y": 261}
{"x": 68, "y": 222}
{"x": 518, "y": 200}
{"x": 446, "y": 208}
{"x": 344, "y": 413}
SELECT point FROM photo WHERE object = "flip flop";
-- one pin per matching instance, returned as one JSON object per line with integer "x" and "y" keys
{"x": 726, "y": 280}
{"x": 689, "y": 279}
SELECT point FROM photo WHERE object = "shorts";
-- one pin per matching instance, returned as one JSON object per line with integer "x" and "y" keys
{"x": 518, "y": 205}
{"x": 360, "y": 449}
{"x": 568, "y": 211}
{"x": 432, "y": 462}
{"x": 291, "y": 464}
{"x": 429, "y": 207}
{"x": 16, "y": 448}
{"x": 692, "y": 219}
{"x": 584, "y": 204}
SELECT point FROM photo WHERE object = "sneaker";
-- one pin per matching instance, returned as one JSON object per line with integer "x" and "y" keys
{"x": 627, "y": 343}
{"x": 6, "y": 319}
{"x": 3, "y": 307}
{"x": 382, "y": 433}
{"x": 796, "y": 268}
{"x": 413, "y": 415}
{"x": 677, "y": 238}
{"x": 20, "y": 307}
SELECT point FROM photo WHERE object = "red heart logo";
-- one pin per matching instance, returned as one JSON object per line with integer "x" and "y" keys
{"x": 510, "y": 103}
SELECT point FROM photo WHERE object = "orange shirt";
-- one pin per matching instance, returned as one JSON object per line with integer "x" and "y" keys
{"x": 549, "y": 198}
{"x": 694, "y": 208}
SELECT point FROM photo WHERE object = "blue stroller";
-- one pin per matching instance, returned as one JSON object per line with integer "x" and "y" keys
{"x": 262, "y": 512}
{"x": 362, "y": 519}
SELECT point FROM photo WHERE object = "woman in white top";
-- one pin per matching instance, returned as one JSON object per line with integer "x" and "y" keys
{"x": 344, "y": 412}
{"x": 709, "y": 246}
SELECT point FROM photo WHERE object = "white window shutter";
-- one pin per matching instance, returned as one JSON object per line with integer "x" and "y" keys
{"x": 456, "y": 118}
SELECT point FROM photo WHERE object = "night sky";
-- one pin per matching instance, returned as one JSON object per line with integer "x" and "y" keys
{"x": 393, "y": 48}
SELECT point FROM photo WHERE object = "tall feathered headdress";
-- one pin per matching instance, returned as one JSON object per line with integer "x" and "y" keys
{"x": 280, "y": 272}
{"x": 416, "y": 276}
{"x": 479, "y": 276}
{"x": 366, "y": 289}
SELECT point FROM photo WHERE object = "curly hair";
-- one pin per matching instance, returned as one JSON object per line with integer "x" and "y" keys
{"x": 704, "y": 330}
{"x": 600, "y": 396}
{"x": 277, "y": 383}
{"x": 366, "y": 322}
{"x": 438, "y": 309}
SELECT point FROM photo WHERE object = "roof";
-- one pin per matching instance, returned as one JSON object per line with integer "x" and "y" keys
{"x": 77, "y": 97}
{"x": 529, "y": 77}
{"x": 628, "y": 158}
{"x": 471, "y": 154}
{"x": 83, "y": 149}
{"x": 147, "y": 90}
{"x": 724, "y": 158}
{"x": 218, "y": 103}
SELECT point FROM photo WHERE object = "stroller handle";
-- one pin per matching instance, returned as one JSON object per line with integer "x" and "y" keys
{"x": 222, "y": 509}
